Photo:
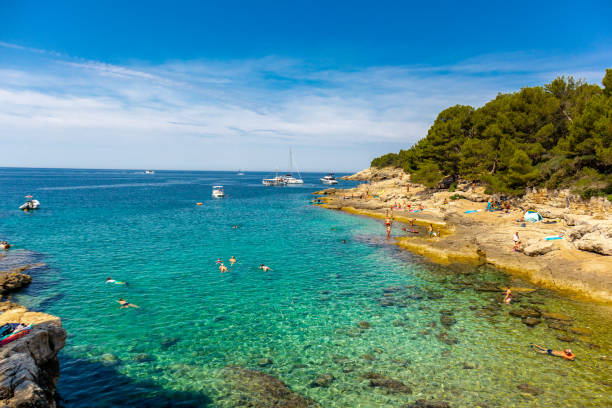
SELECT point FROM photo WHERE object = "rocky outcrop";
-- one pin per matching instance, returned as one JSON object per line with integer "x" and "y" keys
{"x": 13, "y": 281}
{"x": 255, "y": 389}
{"x": 538, "y": 248}
{"x": 375, "y": 174}
{"x": 29, "y": 367}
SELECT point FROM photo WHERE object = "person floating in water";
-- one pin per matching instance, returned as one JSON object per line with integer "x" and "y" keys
{"x": 264, "y": 268}
{"x": 4, "y": 245}
{"x": 235, "y": 227}
{"x": 219, "y": 261}
{"x": 124, "y": 304}
{"x": 388, "y": 231}
{"x": 508, "y": 297}
{"x": 222, "y": 268}
{"x": 111, "y": 280}
{"x": 566, "y": 354}
{"x": 233, "y": 260}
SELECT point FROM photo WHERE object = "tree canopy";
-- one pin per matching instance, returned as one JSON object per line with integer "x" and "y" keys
{"x": 556, "y": 136}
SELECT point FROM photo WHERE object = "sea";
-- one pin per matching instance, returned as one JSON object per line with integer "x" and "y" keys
{"x": 340, "y": 300}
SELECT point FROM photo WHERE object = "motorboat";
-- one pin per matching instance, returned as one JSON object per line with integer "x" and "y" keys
{"x": 149, "y": 172}
{"x": 240, "y": 173}
{"x": 31, "y": 204}
{"x": 329, "y": 179}
{"x": 289, "y": 176}
{"x": 217, "y": 192}
{"x": 275, "y": 181}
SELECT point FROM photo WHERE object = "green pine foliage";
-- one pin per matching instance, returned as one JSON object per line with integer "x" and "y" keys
{"x": 556, "y": 136}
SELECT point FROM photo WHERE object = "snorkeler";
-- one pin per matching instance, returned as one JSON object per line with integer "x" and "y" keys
{"x": 125, "y": 304}
{"x": 111, "y": 280}
{"x": 566, "y": 354}
{"x": 233, "y": 260}
{"x": 264, "y": 268}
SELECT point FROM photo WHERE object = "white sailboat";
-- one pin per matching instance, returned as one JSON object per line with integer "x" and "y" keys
{"x": 289, "y": 176}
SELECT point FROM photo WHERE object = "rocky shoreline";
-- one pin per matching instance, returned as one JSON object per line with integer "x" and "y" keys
{"x": 29, "y": 366}
{"x": 579, "y": 263}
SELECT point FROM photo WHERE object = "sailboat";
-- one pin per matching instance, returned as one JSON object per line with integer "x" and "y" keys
{"x": 289, "y": 176}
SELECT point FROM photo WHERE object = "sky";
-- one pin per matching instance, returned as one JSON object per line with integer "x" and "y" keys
{"x": 234, "y": 84}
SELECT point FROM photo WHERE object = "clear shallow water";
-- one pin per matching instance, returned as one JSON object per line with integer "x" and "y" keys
{"x": 303, "y": 315}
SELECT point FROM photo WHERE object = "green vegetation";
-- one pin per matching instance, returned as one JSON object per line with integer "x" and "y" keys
{"x": 555, "y": 136}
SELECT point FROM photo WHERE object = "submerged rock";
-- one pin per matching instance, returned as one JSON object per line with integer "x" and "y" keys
{"x": 567, "y": 339}
{"x": 447, "y": 338}
{"x": 468, "y": 365}
{"x": 13, "y": 281}
{"x": 324, "y": 380}
{"x": 364, "y": 324}
{"x": 254, "y": 389}
{"x": 583, "y": 331}
{"x": 109, "y": 359}
{"x": 421, "y": 403}
{"x": 264, "y": 362}
{"x": 531, "y": 321}
{"x": 447, "y": 321}
{"x": 389, "y": 385}
{"x": 529, "y": 389}
{"x": 556, "y": 316}
{"x": 526, "y": 312}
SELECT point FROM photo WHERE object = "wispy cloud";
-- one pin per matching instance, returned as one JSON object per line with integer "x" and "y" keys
{"x": 240, "y": 113}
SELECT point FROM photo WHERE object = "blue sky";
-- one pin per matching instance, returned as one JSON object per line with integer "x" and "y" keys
{"x": 227, "y": 85}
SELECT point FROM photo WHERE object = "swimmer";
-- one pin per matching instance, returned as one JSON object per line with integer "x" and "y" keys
{"x": 233, "y": 260}
{"x": 4, "y": 245}
{"x": 219, "y": 261}
{"x": 430, "y": 230}
{"x": 111, "y": 280}
{"x": 222, "y": 268}
{"x": 264, "y": 268}
{"x": 235, "y": 227}
{"x": 124, "y": 304}
{"x": 508, "y": 297}
{"x": 344, "y": 241}
{"x": 388, "y": 231}
{"x": 566, "y": 354}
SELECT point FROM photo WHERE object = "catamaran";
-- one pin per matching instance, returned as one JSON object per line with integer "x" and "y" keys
{"x": 217, "y": 192}
{"x": 329, "y": 179}
{"x": 289, "y": 176}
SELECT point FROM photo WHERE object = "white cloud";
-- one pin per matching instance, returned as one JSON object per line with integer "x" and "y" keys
{"x": 239, "y": 113}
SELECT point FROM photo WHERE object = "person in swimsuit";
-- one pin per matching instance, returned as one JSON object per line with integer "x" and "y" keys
{"x": 111, "y": 280}
{"x": 430, "y": 230}
{"x": 233, "y": 260}
{"x": 508, "y": 297}
{"x": 222, "y": 268}
{"x": 124, "y": 304}
{"x": 219, "y": 261}
{"x": 566, "y": 354}
{"x": 388, "y": 231}
{"x": 4, "y": 245}
{"x": 264, "y": 268}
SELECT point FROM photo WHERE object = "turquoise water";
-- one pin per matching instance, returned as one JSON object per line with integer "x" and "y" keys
{"x": 295, "y": 322}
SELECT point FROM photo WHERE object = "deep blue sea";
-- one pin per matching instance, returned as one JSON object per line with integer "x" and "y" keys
{"x": 295, "y": 322}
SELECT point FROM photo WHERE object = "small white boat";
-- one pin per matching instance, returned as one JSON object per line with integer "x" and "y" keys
{"x": 329, "y": 179}
{"x": 240, "y": 173}
{"x": 217, "y": 192}
{"x": 149, "y": 172}
{"x": 31, "y": 204}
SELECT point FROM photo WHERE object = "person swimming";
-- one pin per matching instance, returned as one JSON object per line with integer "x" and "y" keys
{"x": 388, "y": 231}
{"x": 566, "y": 353}
{"x": 508, "y": 297}
{"x": 265, "y": 268}
{"x": 219, "y": 261}
{"x": 111, "y": 280}
{"x": 233, "y": 260}
{"x": 125, "y": 304}
{"x": 4, "y": 245}
{"x": 222, "y": 268}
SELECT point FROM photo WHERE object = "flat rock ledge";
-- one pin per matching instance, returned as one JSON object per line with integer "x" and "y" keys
{"x": 29, "y": 366}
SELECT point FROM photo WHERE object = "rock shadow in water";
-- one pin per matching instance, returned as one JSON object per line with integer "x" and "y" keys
{"x": 89, "y": 384}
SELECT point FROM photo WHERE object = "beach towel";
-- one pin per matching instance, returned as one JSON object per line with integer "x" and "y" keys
{"x": 471, "y": 211}
{"x": 552, "y": 237}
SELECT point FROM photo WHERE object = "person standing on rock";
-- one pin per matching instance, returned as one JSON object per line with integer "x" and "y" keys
{"x": 517, "y": 242}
